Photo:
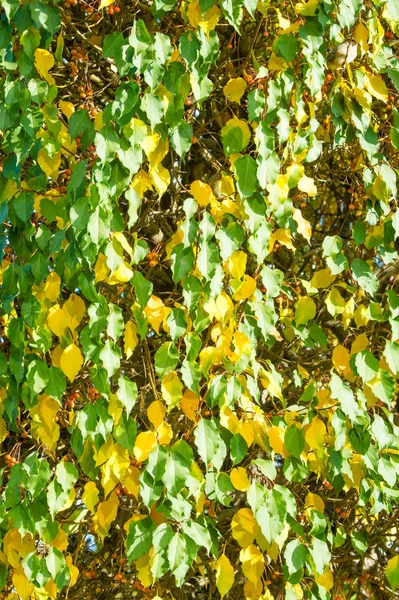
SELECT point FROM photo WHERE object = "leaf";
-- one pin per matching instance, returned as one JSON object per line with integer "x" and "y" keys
{"x": 244, "y": 527}
{"x": 171, "y": 389}
{"x": 240, "y": 479}
{"x": 305, "y": 309}
{"x": 377, "y": 87}
{"x": 235, "y": 136}
{"x": 224, "y": 575}
{"x": 90, "y": 496}
{"x": 156, "y": 413}
{"x": 44, "y": 61}
{"x": 106, "y": 514}
{"x": 304, "y": 227}
{"x": 392, "y": 572}
{"x": 71, "y": 361}
{"x": 315, "y": 433}
{"x": 145, "y": 442}
{"x": 235, "y": 89}
{"x": 210, "y": 444}
{"x": 156, "y": 312}
{"x": 253, "y": 563}
{"x": 245, "y": 170}
{"x": 201, "y": 192}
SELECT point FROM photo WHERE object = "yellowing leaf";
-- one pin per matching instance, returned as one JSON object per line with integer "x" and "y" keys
{"x": 75, "y": 308}
{"x": 276, "y": 63}
{"x": 304, "y": 227}
{"x": 71, "y": 361}
{"x": 144, "y": 444}
{"x": 322, "y": 279}
{"x": 44, "y": 61}
{"x": 306, "y": 184}
{"x": 326, "y": 579}
{"x": 361, "y": 36}
{"x": 131, "y": 481}
{"x": 141, "y": 183}
{"x": 156, "y": 412}
{"x": 171, "y": 389}
{"x": 156, "y": 312}
{"x": 283, "y": 236}
{"x": 60, "y": 541}
{"x": 376, "y": 86}
{"x": 210, "y": 19}
{"x": 307, "y": 9}
{"x": 209, "y": 356}
{"x": 244, "y": 528}
{"x": 164, "y": 433}
{"x": 246, "y": 289}
{"x": 106, "y": 514}
{"x": 234, "y": 89}
{"x": 276, "y": 439}
{"x": 314, "y": 502}
{"x": 305, "y": 309}
{"x": 220, "y": 309}
{"x": 315, "y": 433}
{"x": 43, "y": 425}
{"x": 160, "y": 178}
{"x": 235, "y": 123}
{"x": 52, "y": 287}
{"x": 239, "y": 479}
{"x": 120, "y": 238}
{"x": 236, "y": 264}
{"x": 68, "y": 108}
{"x": 155, "y": 148}
{"x": 253, "y": 563}
{"x": 189, "y": 404}
{"x": 101, "y": 268}
{"x": 57, "y": 320}
{"x": 392, "y": 572}
{"x": 123, "y": 274}
{"x": 90, "y": 496}
{"x": 201, "y": 192}
{"x": 130, "y": 339}
{"x": 73, "y": 571}
{"x": 224, "y": 575}
{"x": 49, "y": 165}
{"x": 340, "y": 358}
{"x": 143, "y": 568}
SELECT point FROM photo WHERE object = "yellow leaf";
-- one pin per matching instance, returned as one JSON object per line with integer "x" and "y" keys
{"x": 156, "y": 413}
{"x": 360, "y": 343}
{"x": 235, "y": 89}
{"x": 315, "y": 433}
{"x": 56, "y": 356}
{"x": 276, "y": 63}
{"x": 189, "y": 404}
{"x": 306, "y": 184}
{"x": 376, "y": 86}
{"x": 194, "y": 13}
{"x": 49, "y": 165}
{"x": 75, "y": 308}
{"x": 276, "y": 439}
{"x": 106, "y": 514}
{"x": 171, "y": 389}
{"x": 164, "y": 433}
{"x": 71, "y": 361}
{"x": 141, "y": 183}
{"x": 210, "y": 19}
{"x": 326, "y": 579}
{"x": 156, "y": 312}
{"x": 361, "y": 316}
{"x": 201, "y": 192}
{"x": 57, "y": 320}
{"x": 322, "y": 279}
{"x": 235, "y": 123}
{"x": 52, "y": 287}
{"x": 313, "y": 502}
{"x": 160, "y": 178}
{"x": 236, "y": 264}
{"x": 283, "y": 236}
{"x": 60, "y": 541}
{"x": 144, "y": 444}
{"x": 144, "y": 569}
{"x": 220, "y": 309}
{"x": 244, "y": 528}
{"x": 209, "y": 356}
{"x": 307, "y": 9}
{"x": 340, "y": 358}
{"x": 114, "y": 469}
{"x": 73, "y": 571}
{"x": 155, "y": 148}
{"x": 361, "y": 36}
{"x": 131, "y": 481}
{"x": 68, "y": 108}
{"x": 101, "y": 268}
{"x": 120, "y": 238}
{"x": 305, "y": 309}
{"x": 22, "y": 585}
{"x": 253, "y": 591}
{"x": 90, "y": 496}
{"x": 304, "y": 227}
{"x": 130, "y": 339}
{"x": 224, "y": 575}
{"x": 122, "y": 274}
{"x": 43, "y": 426}
{"x": 239, "y": 479}
{"x": 335, "y": 303}
{"x": 246, "y": 289}
{"x": 44, "y": 61}
{"x": 105, "y": 3}
{"x": 253, "y": 563}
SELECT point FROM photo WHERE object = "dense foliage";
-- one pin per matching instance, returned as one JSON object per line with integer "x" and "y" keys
{"x": 199, "y": 299}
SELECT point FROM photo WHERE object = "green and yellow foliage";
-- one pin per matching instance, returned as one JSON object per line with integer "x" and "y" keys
{"x": 199, "y": 299}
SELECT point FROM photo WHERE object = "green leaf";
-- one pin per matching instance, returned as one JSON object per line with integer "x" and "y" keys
{"x": 139, "y": 538}
{"x": 166, "y": 359}
{"x": 211, "y": 447}
{"x": 110, "y": 357}
{"x": 142, "y": 288}
{"x": 78, "y": 122}
{"x": 245, "y": 170}
{"x": 127, "y": 393}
